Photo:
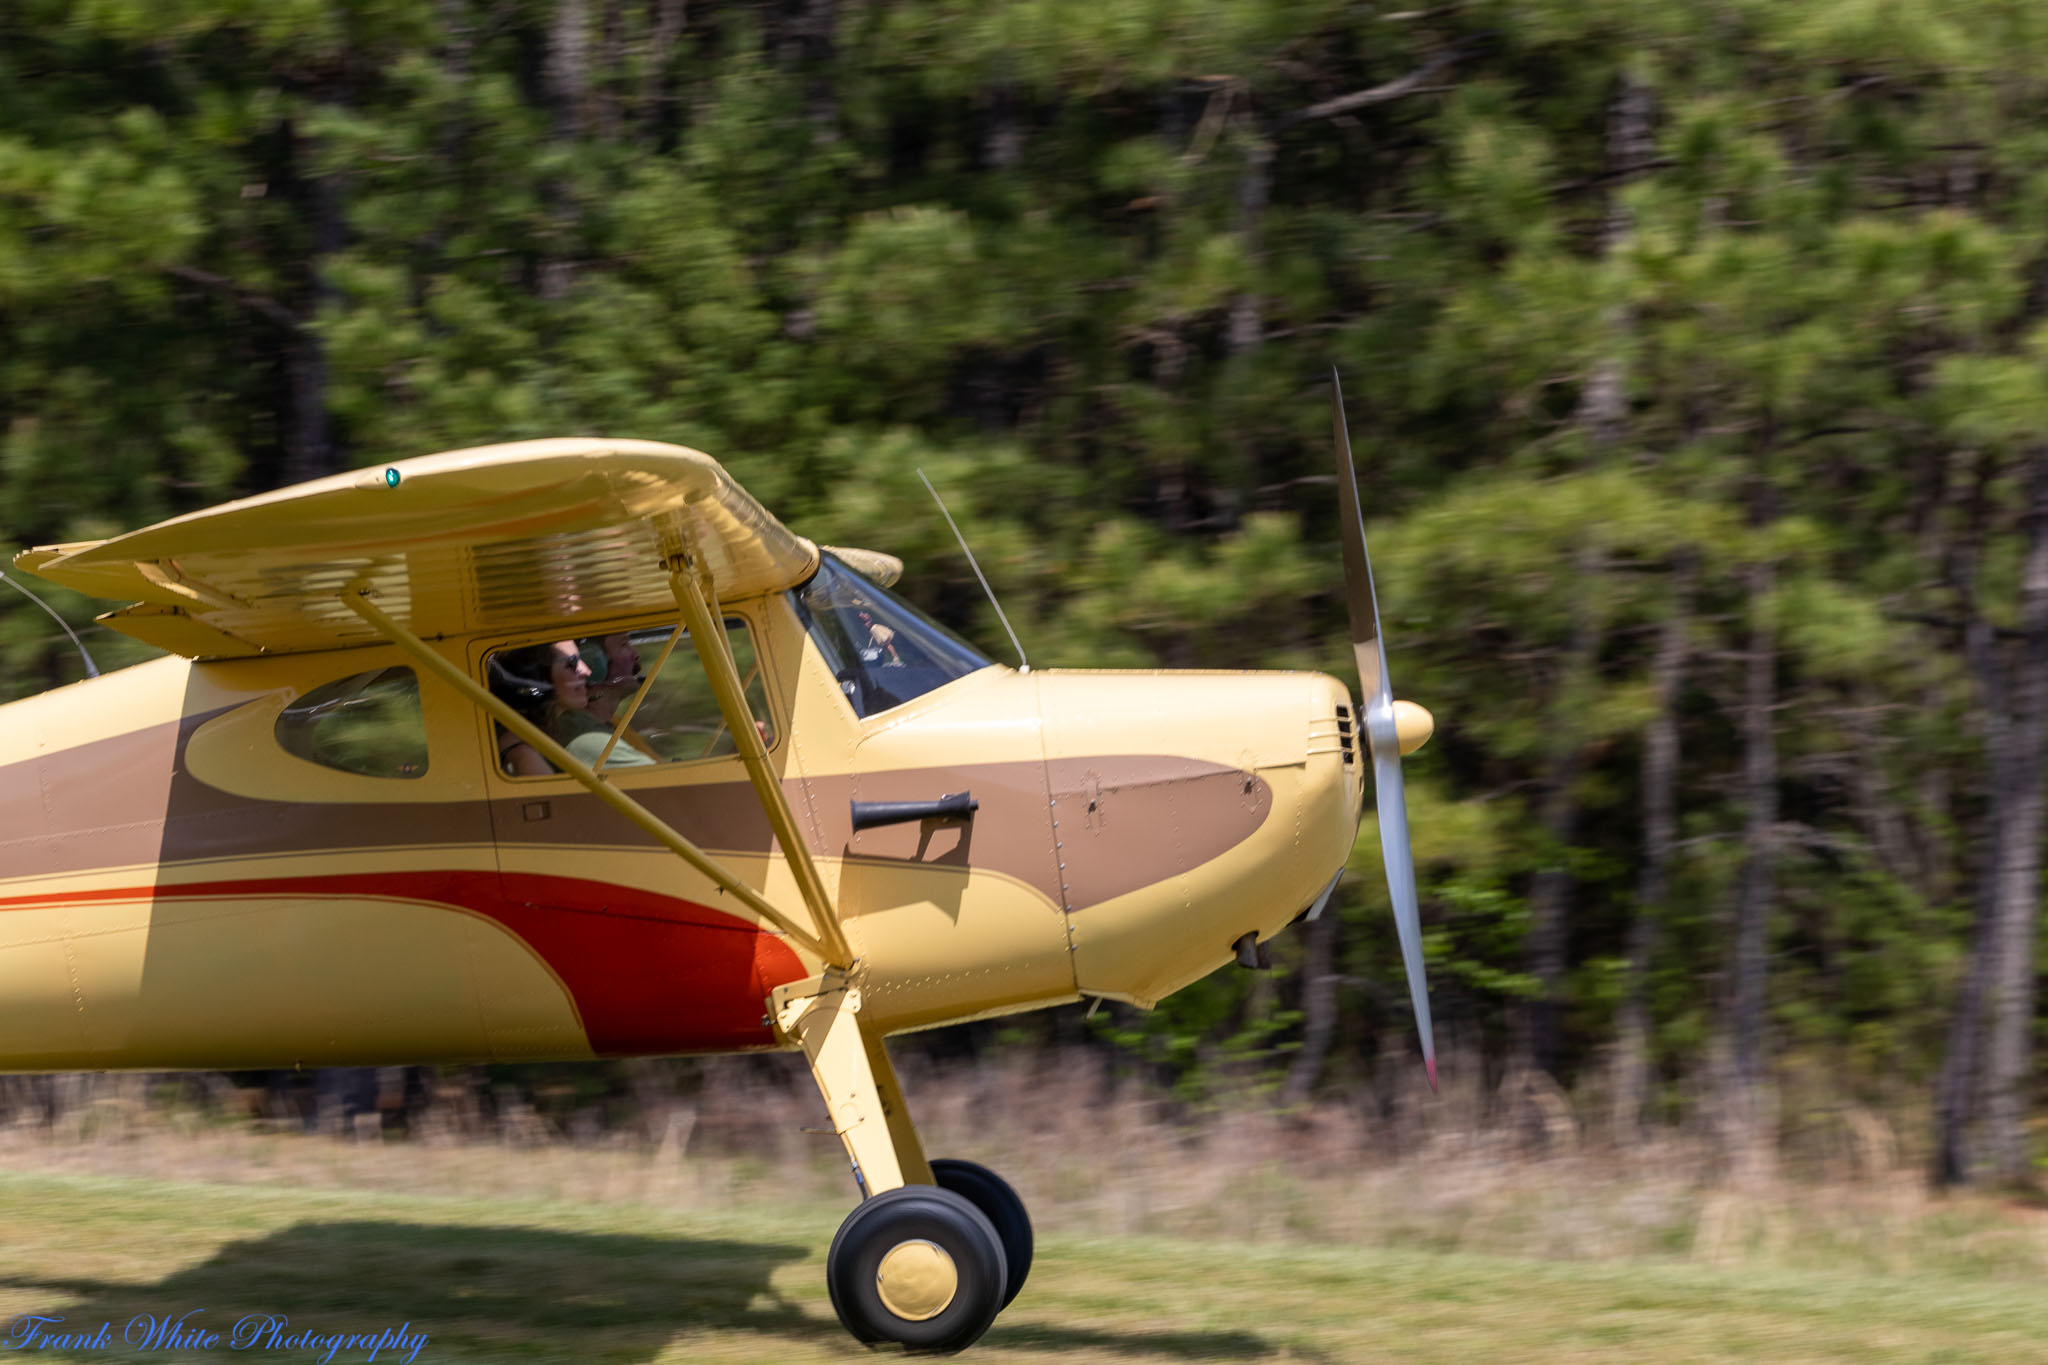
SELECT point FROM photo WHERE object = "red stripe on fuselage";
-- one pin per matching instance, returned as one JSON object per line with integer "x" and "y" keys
{"x": 649, "y": 974}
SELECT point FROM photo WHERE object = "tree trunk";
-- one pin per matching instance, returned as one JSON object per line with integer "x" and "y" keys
{"x": 1550, "y": 897}
{"x": 1749, "y": 975}
{"x": 670, "y": 17}
{"x": 821, "y": 34}
{"x": 1957, "y": 1092}
{"x": 1603, "y": 404}
{"x": 311, "y": 453}
{"x": 567, "y": 71}
{"x": 1550, "y": 894}
{"x": 1959, "y": 1089}
{"x": 1877, "y": 807}
{"x": 1254, "y": 187}
{"x": 1318, "y": 1006}
{"x": 1603, "y": 412}
{"x": 1660, "y": 835}
{"x": 1003, "y": 147}
{"x": 611, "y": 56}
{"x": 803, "y": 40}
{"x": 2017, "y": 799}
{"x": 457, "y": 54}
{"x": 1749, "y": 1144}
{"x": 1986, "y": 1070}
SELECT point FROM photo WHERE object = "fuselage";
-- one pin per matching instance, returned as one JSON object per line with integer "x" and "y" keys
{"x": 179, "y": 889}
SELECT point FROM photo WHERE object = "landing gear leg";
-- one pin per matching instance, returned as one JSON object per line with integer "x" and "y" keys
{"x": 914, "y": 1264}
{"x": 849, "y": 1063}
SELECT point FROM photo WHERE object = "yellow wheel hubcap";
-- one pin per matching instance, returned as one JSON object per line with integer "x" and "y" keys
{"x": 916, "y": 1280}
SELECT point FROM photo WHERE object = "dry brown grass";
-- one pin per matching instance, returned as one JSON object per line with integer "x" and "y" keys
{"x": 1507, "y": 1170}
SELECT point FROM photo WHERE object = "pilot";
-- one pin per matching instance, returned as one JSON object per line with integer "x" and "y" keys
{"x": 614, "y": 673}
{"x": 877, "y": 641}
{"x": 614, "y": 665}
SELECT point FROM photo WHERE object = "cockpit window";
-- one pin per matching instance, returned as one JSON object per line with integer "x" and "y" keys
{"x": 576, "y": 690}
{"x": 882, "y": 650}
{"x": 368, "y": 723}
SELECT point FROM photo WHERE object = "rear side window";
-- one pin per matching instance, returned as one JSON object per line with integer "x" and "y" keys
{"x": 367, "y": 723}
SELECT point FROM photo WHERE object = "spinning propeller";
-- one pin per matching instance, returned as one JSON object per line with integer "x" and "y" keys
{"x": 1392, "y": 728}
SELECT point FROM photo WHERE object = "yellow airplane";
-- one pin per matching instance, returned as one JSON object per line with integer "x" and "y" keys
{"x": 424, "y": 778}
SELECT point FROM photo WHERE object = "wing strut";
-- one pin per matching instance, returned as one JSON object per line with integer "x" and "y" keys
{"x": 699, "y": 600}
{"x": 632, "y": 706}
{"x": 356, "y": 599}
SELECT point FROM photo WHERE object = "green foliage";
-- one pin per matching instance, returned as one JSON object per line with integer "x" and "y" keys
{"x": 1087, "y": 265}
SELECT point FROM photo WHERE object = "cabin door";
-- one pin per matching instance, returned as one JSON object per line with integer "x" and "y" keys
{"x": 654, "y": 955}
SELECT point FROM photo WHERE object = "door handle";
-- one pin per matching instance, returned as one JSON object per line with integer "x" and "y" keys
{"x": 869, "y": 814}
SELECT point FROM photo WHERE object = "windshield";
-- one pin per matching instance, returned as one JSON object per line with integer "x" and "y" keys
{"x": 883, "y": 650}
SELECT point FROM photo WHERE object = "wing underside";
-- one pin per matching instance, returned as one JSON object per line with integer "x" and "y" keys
{"x": 501, "y": 537}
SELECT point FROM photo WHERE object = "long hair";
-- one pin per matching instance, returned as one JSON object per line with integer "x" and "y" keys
{"x": 524, "y": 679}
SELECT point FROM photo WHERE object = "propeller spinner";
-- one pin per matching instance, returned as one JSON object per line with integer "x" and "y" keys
{"x": 1392, "y": 728}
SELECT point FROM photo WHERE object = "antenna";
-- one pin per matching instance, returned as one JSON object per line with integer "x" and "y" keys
{"x": 91, "y": 669}
{"x": 1024, "y": 663}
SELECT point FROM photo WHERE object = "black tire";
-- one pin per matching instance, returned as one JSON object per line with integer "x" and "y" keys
{"x": 892, "y": 1220}
{"x": 999, "y": 1204}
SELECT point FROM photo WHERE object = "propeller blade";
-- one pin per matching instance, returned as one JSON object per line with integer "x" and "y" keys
{"x": 1376, "y": 708}
{"x": 1358, "y": 590}
{"x": 1393, "y": 814}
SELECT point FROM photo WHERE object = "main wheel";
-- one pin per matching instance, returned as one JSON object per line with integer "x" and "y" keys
{"x": 998, "y": 1203}
{"x": 920, "y": 1266}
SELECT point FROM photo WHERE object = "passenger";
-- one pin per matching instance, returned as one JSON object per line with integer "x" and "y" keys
{"x": 526, "y": 692}
{"x": 566, "y": 715}
{"x": 520, "y": 759}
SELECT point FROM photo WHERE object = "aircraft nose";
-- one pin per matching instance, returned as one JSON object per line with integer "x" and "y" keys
{"x": 1190, "y": 809}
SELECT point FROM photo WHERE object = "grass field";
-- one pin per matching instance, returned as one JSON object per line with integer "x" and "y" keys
{"x": 513, "y": 1280}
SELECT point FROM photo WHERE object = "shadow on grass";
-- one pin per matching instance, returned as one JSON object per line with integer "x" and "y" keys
{"x": 1035, "y": 1336}
{"x": 511, "y": 1293}
{"x": 476, "y": 1292}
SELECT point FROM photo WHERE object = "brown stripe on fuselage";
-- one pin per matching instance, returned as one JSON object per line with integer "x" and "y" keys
{"x": 1126, "y": 821}
{"x": 205, "y": 822}
{"x": 1010, "y": 833}
{"x": 724, "y": 816}
{"x": 127, "y": 800}
{"x": 1007, "y": 836}
{"x": 99, "y": 803}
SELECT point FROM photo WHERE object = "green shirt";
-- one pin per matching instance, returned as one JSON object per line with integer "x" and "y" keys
{"x": 584, "y": 736}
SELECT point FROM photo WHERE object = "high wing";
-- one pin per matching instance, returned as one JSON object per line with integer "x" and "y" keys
{"x": 533, "y": 533}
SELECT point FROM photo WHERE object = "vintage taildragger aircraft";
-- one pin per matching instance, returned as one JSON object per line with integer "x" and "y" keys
{"x": 425, "y": 778}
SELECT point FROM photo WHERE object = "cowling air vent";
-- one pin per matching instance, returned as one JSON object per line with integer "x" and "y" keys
{"x": 1344, "y": 736}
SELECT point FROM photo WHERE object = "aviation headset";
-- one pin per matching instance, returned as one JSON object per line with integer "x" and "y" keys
{"x": 512, "y": 671}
